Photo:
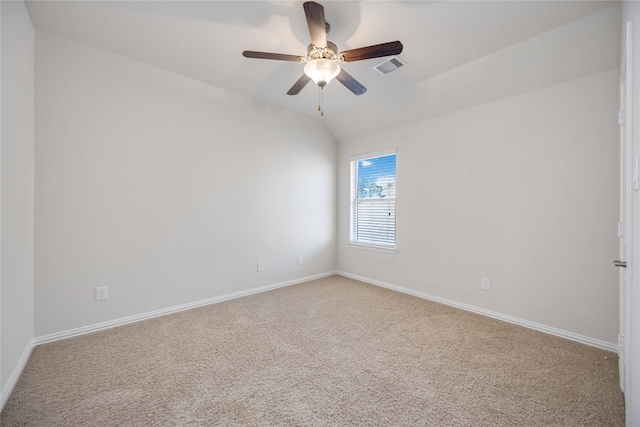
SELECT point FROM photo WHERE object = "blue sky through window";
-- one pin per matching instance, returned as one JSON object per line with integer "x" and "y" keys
{"x": 377, "y": 177}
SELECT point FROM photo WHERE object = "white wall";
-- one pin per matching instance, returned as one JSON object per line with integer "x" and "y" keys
{"x": 167, "y": 190}
{"x": 523, "y": 191}
{"x": 17, "y": 171}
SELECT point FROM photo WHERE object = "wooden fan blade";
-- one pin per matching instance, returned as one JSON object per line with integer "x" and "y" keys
{"x": 315, "y": 21}
{"x": 276, "y": 56}
{"x": 297, "y": 87}
{"x": 375, "y": 51}
{"x": 350, "y": 83}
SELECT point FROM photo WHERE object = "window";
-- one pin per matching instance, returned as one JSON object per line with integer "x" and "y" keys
{"x": 373, "y": 200}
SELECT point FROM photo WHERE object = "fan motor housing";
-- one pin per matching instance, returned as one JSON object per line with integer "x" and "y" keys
{"x": 329, "y": 52}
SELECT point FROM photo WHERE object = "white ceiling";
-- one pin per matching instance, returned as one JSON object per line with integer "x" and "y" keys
{"x": 459, "y": 54}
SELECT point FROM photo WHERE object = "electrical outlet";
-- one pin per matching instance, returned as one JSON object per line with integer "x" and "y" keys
{"x": 300, "y": 260}
{"x": 486, "y": 284}
{"x": 102, "y": 293}
{"x": 260, "y": 265}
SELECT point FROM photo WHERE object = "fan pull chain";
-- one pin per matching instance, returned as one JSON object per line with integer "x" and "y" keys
{"x": 321, "y": 100}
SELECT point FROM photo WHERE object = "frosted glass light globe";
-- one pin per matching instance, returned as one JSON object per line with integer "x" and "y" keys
{"x": 322, "y": 71}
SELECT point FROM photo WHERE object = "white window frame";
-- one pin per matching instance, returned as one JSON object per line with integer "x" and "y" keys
{"x": 353, "y": 190}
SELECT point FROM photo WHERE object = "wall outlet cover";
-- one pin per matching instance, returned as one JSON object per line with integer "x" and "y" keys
{"x": 102, "y": 293}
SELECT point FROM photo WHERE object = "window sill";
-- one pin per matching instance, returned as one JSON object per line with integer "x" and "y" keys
{"x": 374, "y": 248}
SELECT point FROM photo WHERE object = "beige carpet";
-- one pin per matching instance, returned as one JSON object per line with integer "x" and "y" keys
{"x": 332, "y": 352}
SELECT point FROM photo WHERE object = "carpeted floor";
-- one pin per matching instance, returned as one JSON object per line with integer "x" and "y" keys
{"x": 332, "y": 352}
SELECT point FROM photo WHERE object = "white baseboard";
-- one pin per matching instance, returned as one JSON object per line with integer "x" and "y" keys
{"x": 149, "y": 315}
{"x": 13, "y": 379}
{"x": 510, "y": 319}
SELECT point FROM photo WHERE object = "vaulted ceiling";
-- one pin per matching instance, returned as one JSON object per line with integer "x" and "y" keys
{"x": 458, "y": 54}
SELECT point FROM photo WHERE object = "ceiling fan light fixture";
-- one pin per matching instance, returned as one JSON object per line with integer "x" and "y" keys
{"x": 322, "y": 71}
{"x": 323, "y": 56}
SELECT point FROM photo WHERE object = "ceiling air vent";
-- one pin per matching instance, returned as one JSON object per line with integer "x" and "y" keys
{"x": 390, "y": 65}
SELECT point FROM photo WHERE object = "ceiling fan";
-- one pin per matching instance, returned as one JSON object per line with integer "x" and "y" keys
{"x": 323, "y": 56}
